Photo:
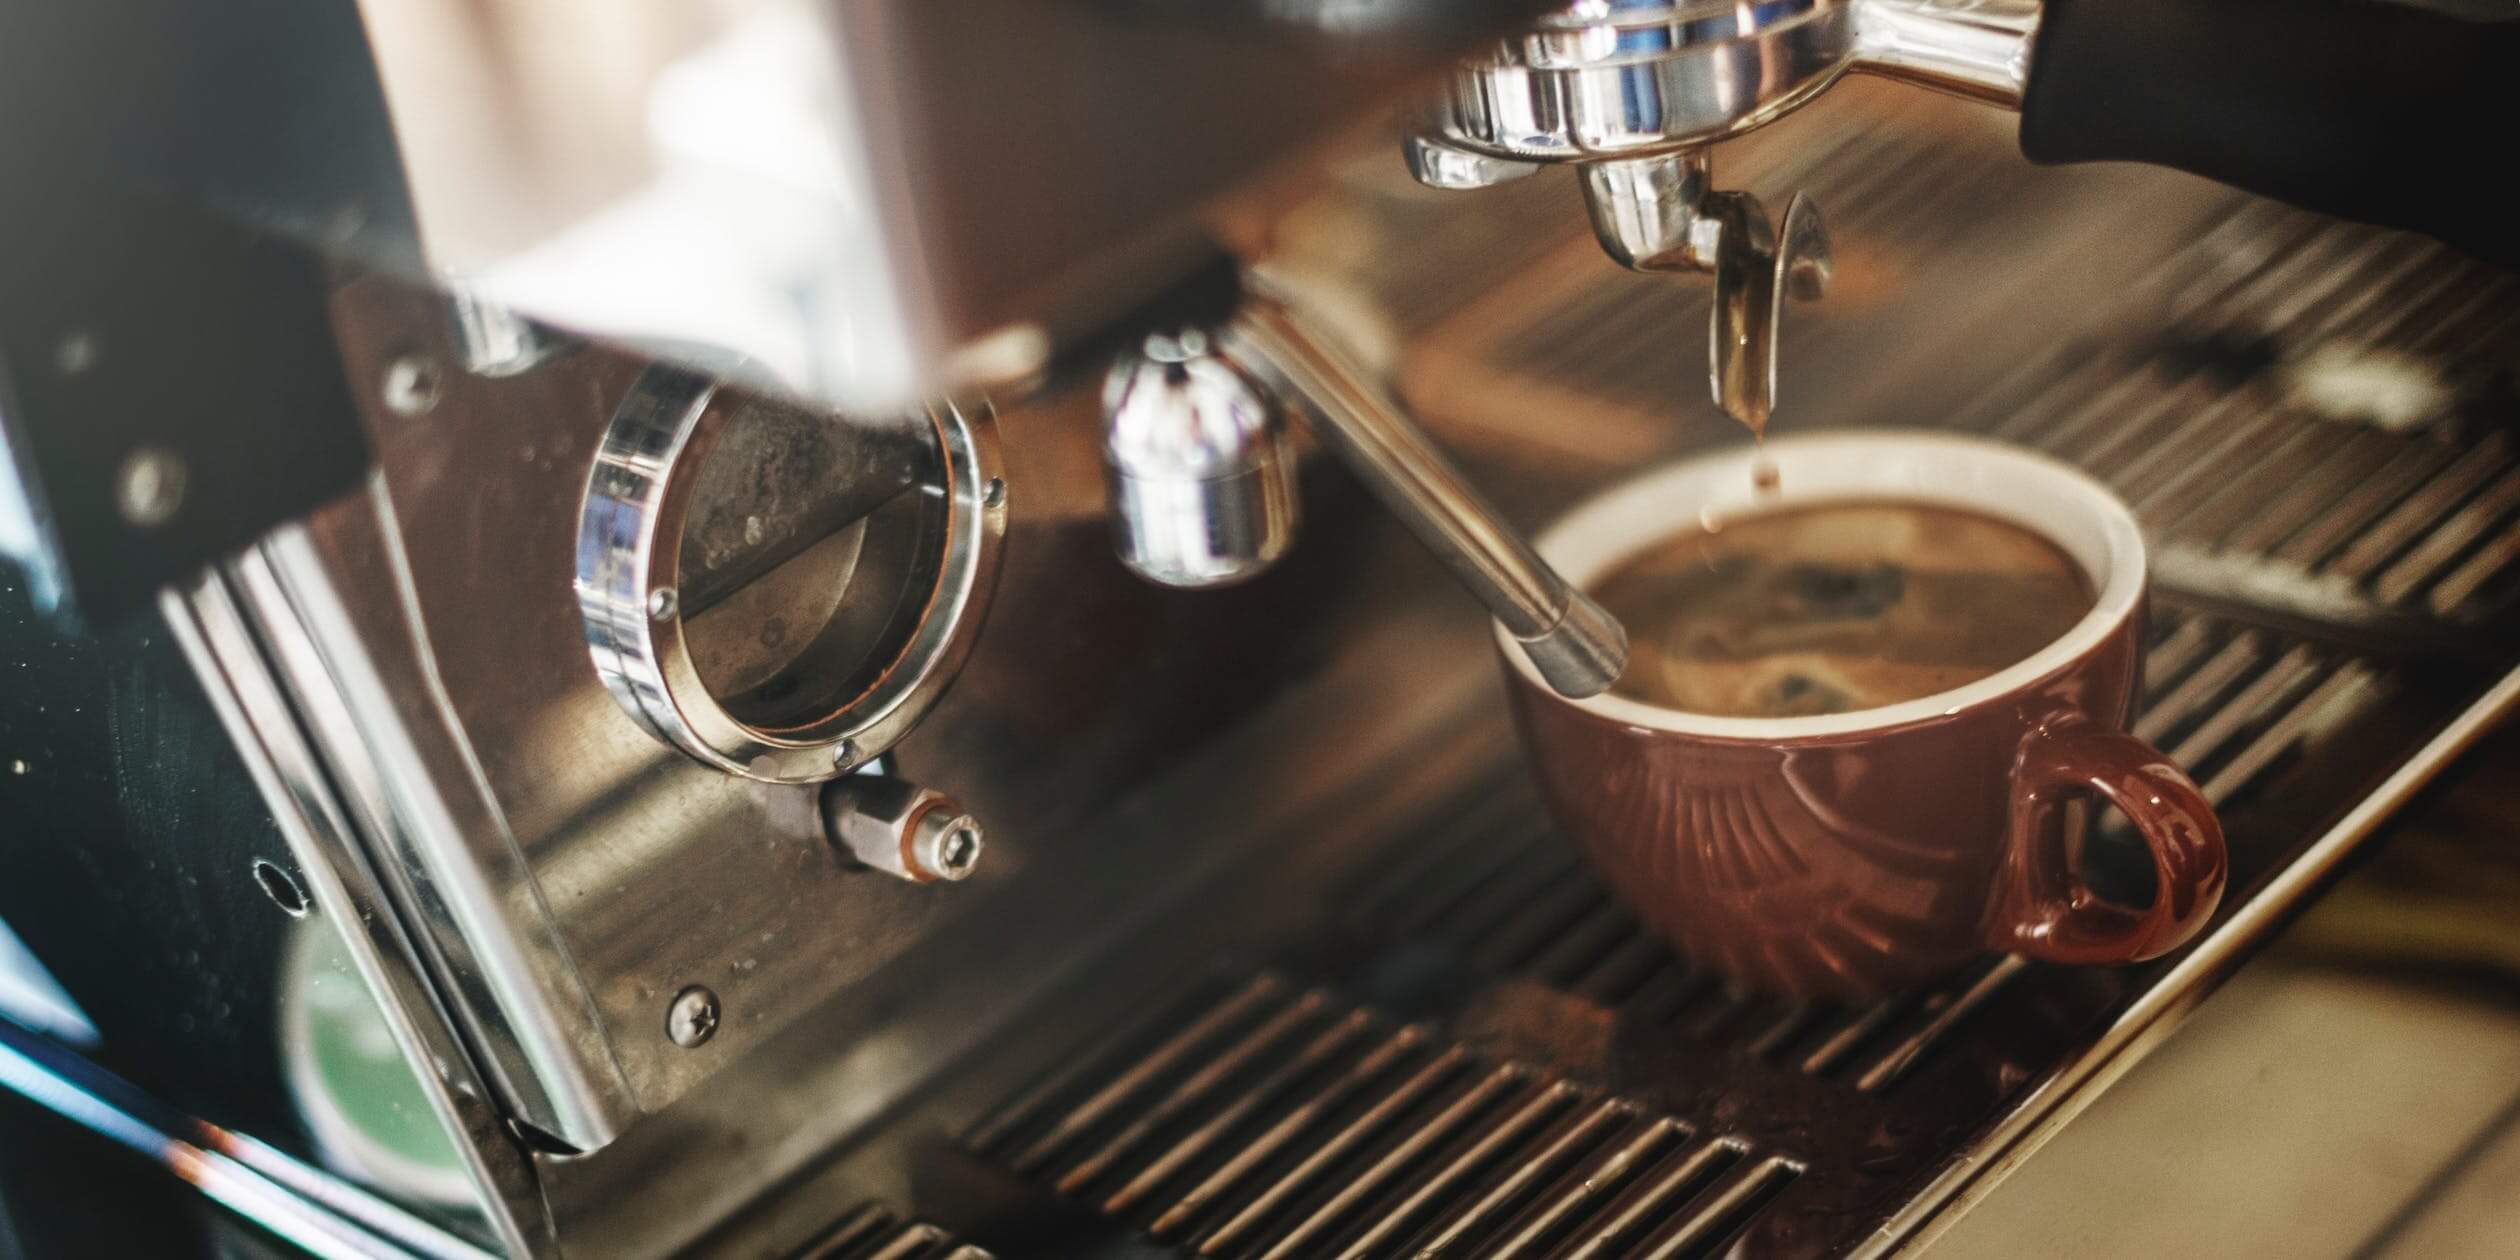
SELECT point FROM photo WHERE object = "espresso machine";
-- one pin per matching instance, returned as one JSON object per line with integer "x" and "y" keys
{"x": 833, "y": 628}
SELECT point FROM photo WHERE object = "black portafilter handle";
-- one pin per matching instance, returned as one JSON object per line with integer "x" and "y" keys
{"x": 2366, "y": 110}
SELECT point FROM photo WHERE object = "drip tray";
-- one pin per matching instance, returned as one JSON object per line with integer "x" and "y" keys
{"x": 875, "y": 1232}
{"x": 1474, "y": 1051}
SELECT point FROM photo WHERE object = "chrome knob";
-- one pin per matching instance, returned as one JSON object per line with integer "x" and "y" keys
{"x": 901, "y": 829}
{"x": 1202, "y": 480}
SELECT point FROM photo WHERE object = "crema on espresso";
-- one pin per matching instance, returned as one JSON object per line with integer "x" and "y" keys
{"x": 1832, "y": 608}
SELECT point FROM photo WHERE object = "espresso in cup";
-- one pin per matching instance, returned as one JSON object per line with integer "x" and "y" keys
{"x": 1831, "y": 608}
{"x": 1859, "y": 711}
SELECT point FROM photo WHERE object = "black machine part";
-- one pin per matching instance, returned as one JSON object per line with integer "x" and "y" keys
{"x": 2355, "y": 108}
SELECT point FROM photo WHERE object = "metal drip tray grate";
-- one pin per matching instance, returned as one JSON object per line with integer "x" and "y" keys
{"x": 1487, "y": 1056}
{"x": 874, "y": 1232}
{"x": 2324, "y": 425}
{"x": 1273, "y": 1120}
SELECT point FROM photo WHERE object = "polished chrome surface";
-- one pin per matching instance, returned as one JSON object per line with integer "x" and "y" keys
{"x": 307, "y": 1208}
{"x": 1601, "y": 81}
{"x": 1650, "y": 213}
{"x": 1979, "y": 49}
{"x": 1622, "y": 80}
{"x": 442, "y": 853}
{"x": 1241, "y": 812}
{"x": 800, "y": 500}
{"x": 1578, "y": 648}
{"x": 559, "y": 875}
{"x": 562, "y": 870}
{"x": 243, "y": 688}
{"x": 904, "y": 830}
{"x": 1439, "y": 165}
{"x": 1202, "y": 475}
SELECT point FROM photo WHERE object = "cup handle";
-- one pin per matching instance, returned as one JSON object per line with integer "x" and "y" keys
{"x": 2043, "y": 909}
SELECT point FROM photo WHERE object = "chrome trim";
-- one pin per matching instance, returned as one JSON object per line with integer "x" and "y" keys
{"x": 1979, "y": 49}
{"x": 1601, "y": 81}
{"x": 1202, "y": 475}
{"x": 326, "y": 1217}
{"x": 449, "y": 857}
{"x": 1437, "y": 164}
{"x": 628, "y": 568}
{"x": 211, "y": 630}
{"x": 2145, "y": 1024}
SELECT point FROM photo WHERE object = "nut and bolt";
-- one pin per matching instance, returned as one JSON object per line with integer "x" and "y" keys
{"x": 693, "y": 1018}
{"x": 957, "y": 849}
{"x": 902, "y": 829}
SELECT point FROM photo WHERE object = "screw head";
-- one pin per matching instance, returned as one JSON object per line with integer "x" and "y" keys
{"x": 693, "y": 1018}
{"x": 959, "y": 852}
{"x": 844, "y": 754}
{"x": 994, "y": 494}
{"x": 411, "y": 385}
{"x": 662, "y": 603}
{"x": 150, "y": 487}
{"x": 947, "y": 846}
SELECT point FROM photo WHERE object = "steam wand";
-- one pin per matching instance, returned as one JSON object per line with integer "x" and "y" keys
{"x": 1202, "y": 483}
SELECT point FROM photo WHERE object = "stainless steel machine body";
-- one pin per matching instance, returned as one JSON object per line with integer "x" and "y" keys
{"x": 762, "y": 814}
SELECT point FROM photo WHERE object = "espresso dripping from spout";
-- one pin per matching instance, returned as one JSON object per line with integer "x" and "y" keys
{"x": 1756, "y": 270}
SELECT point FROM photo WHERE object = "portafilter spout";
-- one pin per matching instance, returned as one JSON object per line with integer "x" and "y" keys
{"x": 2355, "y": 111}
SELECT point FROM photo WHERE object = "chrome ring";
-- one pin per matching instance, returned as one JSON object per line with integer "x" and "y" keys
{"x": 628, "y": 574}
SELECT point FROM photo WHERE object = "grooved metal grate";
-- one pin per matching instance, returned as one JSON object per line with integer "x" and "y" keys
{"x": 1271, "y": 1119}
{"x": 2325, "y": 425}
{"x": 873, "y": 1232}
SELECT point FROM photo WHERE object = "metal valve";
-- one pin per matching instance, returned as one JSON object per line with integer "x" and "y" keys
{"x": 901, "y": 829}
{"x": 1202, "y": 482}
{"x": 1202, "y": 485}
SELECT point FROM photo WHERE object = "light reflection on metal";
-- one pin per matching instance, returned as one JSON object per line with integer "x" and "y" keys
{"x": 251, "y": 1179}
